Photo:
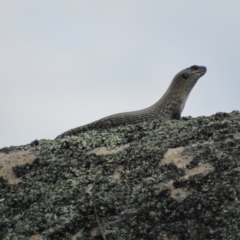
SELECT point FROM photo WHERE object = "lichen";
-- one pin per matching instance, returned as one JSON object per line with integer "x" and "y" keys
{"x": 65, "y": 190}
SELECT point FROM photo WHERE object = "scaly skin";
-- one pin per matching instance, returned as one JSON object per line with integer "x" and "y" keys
{"x": 170, "y": 106}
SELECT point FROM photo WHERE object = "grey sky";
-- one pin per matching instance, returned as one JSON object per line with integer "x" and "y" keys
{"x": 67, "y": 63}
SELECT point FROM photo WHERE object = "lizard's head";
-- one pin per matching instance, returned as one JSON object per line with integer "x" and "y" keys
{"x": 188, "y": 77}
{"x": 185, "y": 80}
{"x": 193, "y": 73}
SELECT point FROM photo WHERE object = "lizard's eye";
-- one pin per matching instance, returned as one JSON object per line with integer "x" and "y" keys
{"x": 194, "y": 67}
{"x": 185, "y": 75}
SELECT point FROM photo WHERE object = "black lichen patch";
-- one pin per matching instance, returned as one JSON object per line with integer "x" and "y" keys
{"x": 65, "y": 191}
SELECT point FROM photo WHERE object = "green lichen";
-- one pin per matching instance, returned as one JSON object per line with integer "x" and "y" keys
{"x": 63, "y": 185}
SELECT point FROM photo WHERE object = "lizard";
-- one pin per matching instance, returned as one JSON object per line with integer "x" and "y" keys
{"x": 169, "y": 106}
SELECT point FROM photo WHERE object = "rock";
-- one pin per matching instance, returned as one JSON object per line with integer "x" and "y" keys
{"x": 160, "y": 181}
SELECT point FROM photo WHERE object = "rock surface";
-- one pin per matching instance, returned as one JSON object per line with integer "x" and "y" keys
{"x": 173, "y": 180}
